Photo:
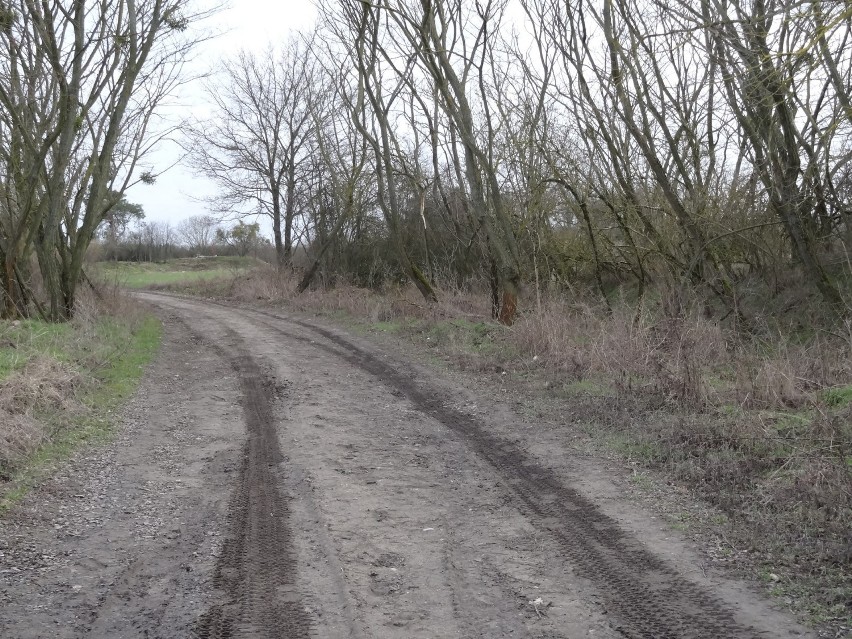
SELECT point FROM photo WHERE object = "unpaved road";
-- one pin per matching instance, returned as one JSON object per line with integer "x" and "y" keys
{"x": 276, "y": 478}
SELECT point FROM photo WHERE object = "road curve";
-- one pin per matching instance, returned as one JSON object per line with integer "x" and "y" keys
{"x": 635, "y": 593}
{"x": 350, "y": 493}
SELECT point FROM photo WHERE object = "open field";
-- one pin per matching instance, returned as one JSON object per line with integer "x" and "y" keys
{"x": 177, "y": 272}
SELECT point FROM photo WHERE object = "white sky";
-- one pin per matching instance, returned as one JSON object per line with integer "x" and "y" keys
{"x": 247, "y": 24}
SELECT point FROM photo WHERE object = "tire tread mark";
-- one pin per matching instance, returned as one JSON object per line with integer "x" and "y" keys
{"x": 647, "y": 597}
{"x": 256, "y": 568}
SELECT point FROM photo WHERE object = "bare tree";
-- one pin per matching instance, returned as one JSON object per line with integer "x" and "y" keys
{"x": 198, "y": 232}
{"x": 789, "y": 113}
{"x": 79, "y": 83}
{"x": 635, "y": 141}
{"x": 340, "y": 157}
{"x": 256, "y": 143}
{"x": 379, "y": 85}
{"x": 159, "y": 240}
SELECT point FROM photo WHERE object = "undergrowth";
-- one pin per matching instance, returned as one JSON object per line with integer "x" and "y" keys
{"x": 61, "y": 384}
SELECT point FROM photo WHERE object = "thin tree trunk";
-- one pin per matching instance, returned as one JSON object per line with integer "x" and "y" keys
{"x": 326, "y": 245}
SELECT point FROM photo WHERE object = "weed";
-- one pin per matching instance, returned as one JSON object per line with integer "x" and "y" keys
{"x": 642, "y": 481}
{"x": 838, "y": 397}
{"x": 587, "y": 387}
{"x": 62, "y": 392}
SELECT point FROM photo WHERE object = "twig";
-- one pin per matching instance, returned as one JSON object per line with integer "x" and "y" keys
{"x": 92, "y": 286}
{"x": 725, "y": 539}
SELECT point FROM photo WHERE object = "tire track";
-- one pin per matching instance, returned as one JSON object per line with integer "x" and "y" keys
{"x": 257, "y": 568}
{"x": 645, "y": 596}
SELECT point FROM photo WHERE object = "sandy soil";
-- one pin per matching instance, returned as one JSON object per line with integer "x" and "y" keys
{"x": 279, "y": 478}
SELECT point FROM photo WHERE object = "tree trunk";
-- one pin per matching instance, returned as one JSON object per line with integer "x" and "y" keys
{"x": 510, "y": 303}
{"x": 280, "y": 254}
{"x": 494, "y": 285}
{"x": 312, "y": 271}
{"x": 10, "y": 306}
{"x": 290, "y": 213}
{"x": 422, "y": 283}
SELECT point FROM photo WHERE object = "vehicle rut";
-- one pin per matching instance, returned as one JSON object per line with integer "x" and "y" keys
{"x": 648, "y": 598}
{"x": 256, "y": 569}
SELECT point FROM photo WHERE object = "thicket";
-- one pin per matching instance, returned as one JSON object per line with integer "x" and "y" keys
{"x": 635, "y": 146}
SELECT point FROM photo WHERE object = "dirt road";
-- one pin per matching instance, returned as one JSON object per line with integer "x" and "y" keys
{"x": 275, "y": 478}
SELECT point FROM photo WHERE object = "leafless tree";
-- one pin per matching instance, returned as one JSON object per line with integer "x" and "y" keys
{"x": 79, "y": 83}
{"x": 341, "y": 156}
{"x": 452, "y": 41}
{"x": 198, "y": 232}
{"x": 257, "y": 140}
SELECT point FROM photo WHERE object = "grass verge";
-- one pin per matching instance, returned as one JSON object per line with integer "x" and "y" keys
{"x": 62, "y": 386}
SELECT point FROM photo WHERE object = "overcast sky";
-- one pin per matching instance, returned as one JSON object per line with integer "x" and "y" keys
{"x": 247, "y": 24}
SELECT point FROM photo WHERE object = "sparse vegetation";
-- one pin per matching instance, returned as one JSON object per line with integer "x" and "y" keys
{"x": 61, "y": 384}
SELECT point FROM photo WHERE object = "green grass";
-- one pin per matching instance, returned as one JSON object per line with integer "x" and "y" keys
{"x": 115, "y": 358}
{"x": 138, "y": 275}
{"x": 681, "y": 521}
{"x": 587, "y": 387}
{"x": 838, "y": 397}
{"x": 144, "y": 280}
{"x": 474, "y": 338}
{"x": 634, "y": 448}
{"x": 21, "y": 342}
{"x": 387, "y": 327}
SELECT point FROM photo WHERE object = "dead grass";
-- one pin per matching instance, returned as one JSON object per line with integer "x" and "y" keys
{"x": 44, "y": 384}
{"x": 683, "y": 361}
{"x": 47, "y": 367}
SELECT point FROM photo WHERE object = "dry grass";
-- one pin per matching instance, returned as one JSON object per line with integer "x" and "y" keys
{"x": 44, "y": 384}
{"x": 48, "y": 366}
{"x": 265, "y": 285}
{"x": 685, "y": 361}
